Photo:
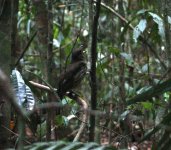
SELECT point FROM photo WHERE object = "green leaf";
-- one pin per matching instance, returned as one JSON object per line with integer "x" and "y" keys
{"x": 61, "y": 145}
{"x": 147, "y": 105}
{"x": 145, "y": 68}
{"x": 169, "y": 19}
{"x": 55, "y": 30}
{"x": 114, "y": 50}
{"x": 166, "y": 121}
{"x": 159, "y": 22}
{"x": 142, "y": 11}
{"x": 139, "y": 29}
{"x": 128, "y": 58}
{"x": 41, "y": 130}
{"x": 89, "y": 146}
{"x": 151, "y": 92}
{"x": 61, "y": 120}
{"x": 28, "y": 27}
{"x": 124, "y": 114}
{"x": 73, "y": 146}
{"x": 129, "y": 89}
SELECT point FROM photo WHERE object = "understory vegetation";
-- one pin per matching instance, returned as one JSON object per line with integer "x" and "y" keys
{"x": 85, "y": 74}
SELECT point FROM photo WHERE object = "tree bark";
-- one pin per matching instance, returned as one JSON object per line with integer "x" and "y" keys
{"x": 5, "y": 60}
{"x": 93, "y": 70}
{"x": 51, "y": 97}
{"x": 41, "y": 19}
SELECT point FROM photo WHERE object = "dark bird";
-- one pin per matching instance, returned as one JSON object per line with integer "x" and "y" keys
{"x": 73, "y": 74}
{"x": 78, "y": 54}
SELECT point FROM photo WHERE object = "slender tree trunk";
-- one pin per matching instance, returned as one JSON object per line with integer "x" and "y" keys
{"x": 122, "y": 71}
{"x": 167, "y": 11}
{"x": 15, "y": 45}
{"x": 51, "y": 114}
{"x": 93, "y": 70}
{"x": 121, "y": 61}
{"x": 5, "y": 58}
{"x": 90, "y": 32}
{"x": 41, "y": 20}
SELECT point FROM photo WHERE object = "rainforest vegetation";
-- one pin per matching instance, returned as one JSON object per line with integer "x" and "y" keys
{"x": 85, "y": 74}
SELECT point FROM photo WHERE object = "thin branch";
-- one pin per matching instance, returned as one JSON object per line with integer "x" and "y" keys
{"x": 48, "y": 85}
{"x": 41, "y": 86}
{"x": 80, "y": 102}
{"x": 25, "y": 49}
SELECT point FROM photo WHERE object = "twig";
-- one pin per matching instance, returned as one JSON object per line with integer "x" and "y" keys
{"x": 26, "y": 48}
{"x": 115, "y": 13}
{"x": 49, "y": 86}
{"x": 41, "y": 86}
{"x": 56, "y": 105}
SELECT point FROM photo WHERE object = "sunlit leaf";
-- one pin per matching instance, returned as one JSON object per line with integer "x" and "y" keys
{"x": 160, "y": 24}
{"x": 114, "y": 50}
{"x": 139, "y": 29}
{"x": 56, "y": 43}
{"x": 124, "y": 114}
{"x": 85, "y": 33}
{"x": 128, "y": 58}
{"x": 23, "y": 93}
{"x": 142, "y": 11}
{"x": 63, "y": 145}
{"x": 145, "y": 68}
{"x": 28, "y": 27}
{"x": 169, "y": 19}
{"x": 143, "y": 89}
{"x": 61, "y": 120}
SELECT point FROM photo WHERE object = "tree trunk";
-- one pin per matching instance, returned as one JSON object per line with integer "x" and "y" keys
{"x": 5, "y": 58}
{"x": 93, "y": 70}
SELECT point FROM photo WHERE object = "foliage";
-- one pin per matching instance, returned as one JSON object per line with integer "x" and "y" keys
{"x": 67, "y": 146}
{"x": 133, "y": 66}
{"x": 23, "y": 93}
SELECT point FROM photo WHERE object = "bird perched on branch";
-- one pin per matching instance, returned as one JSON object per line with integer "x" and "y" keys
{"x": 74, "y": 73}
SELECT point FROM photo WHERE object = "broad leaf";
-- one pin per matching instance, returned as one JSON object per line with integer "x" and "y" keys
{"x": 139, "y": 29}
{"x": 23, "y": 93}
{"x": 160, "y": 24}
{"x": 151, "y": 92}
{"x": 67, "y": 146}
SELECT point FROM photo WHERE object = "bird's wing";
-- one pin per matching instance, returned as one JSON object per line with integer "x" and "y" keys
{"x": 71, "y": 77}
